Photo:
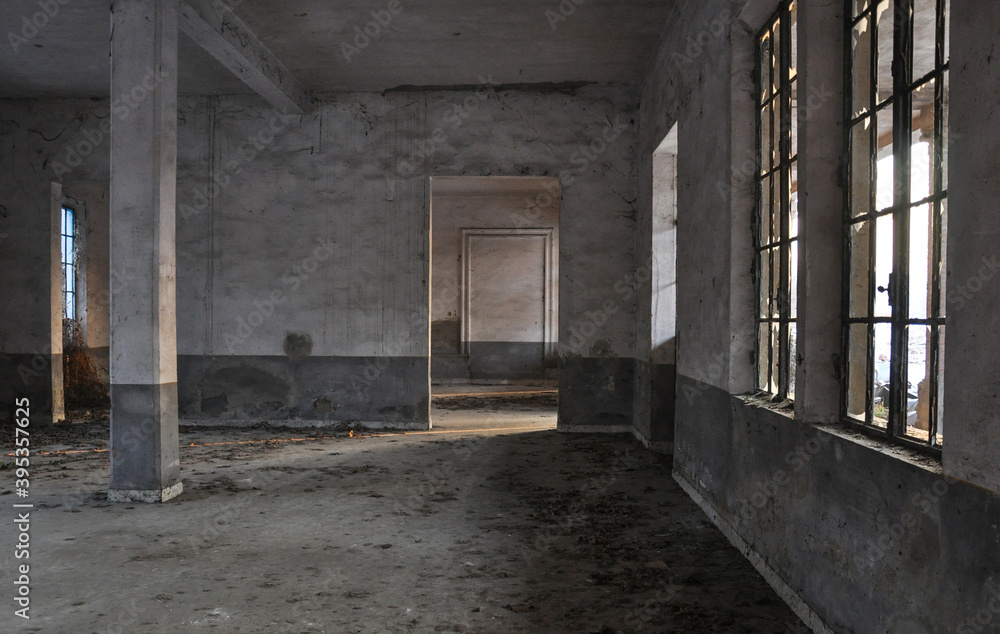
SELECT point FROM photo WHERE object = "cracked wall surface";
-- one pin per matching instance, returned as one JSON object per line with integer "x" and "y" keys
{"x": 317, "y": 226}
{"x": 856, "y": 534}
{"x": 40, "y": 143}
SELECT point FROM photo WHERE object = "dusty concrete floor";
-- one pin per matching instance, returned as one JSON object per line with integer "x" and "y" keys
{"x": 493, "y": 522}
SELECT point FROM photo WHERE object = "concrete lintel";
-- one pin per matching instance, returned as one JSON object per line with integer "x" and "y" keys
{"x": 214, "y": 26}
{"x": 146, "y": 497}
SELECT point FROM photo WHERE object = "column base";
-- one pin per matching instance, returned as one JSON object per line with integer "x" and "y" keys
{"x": 147, "y": 497}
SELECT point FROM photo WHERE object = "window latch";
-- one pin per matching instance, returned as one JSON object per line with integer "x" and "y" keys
{"x": 890, "y": 289}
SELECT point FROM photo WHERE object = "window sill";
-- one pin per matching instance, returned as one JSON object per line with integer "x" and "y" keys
{"x": 763, "y": 400}
{"x": 912, "y": 457}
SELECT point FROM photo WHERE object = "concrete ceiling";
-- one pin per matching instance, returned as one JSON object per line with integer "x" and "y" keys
{"x": 455, "y": 42}
{"x": 426, "y": 43}
{"x": 69, "y": 56}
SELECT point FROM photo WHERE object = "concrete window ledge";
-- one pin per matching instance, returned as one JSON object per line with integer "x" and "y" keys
{"x": 889, "y": 450}
{"x": 786, "y": 408}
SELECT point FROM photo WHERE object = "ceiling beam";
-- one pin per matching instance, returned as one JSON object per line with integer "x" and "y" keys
{"x": 214, "y": 26}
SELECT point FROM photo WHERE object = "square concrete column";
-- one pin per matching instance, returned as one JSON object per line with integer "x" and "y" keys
{"x": 972, "y": 349}
{"x": 820, "y": 119}
{"x": 144, "y": 441}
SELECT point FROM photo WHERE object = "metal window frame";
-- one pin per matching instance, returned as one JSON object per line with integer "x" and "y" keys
{"x": 67, "y": 243}
{"x": 780, "y": 23}
{"x": 901, "y": 104}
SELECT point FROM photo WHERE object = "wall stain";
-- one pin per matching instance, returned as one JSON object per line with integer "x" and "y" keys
{"x": 298, "y": 346}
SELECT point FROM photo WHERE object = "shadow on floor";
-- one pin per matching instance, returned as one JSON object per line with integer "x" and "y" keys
{"x": 533, "y": 531}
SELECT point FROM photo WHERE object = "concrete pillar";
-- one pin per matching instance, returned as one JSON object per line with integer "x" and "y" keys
{"x": 972, "y": 355}
{"x": 144, "y": 440}
{"x": 821, "y": 210}
{"x": 55, "y": 305}
{"x": 742, "y": 197}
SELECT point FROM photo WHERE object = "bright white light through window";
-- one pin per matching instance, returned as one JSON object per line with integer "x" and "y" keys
{"x": 68, "y": 243}
{"x": 920, "y": 188}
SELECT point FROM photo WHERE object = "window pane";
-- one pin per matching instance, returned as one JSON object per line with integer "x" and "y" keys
{"x": 885, "y": 192}
{"x": 793, "y": 202}
{"x": 776, "y": 212}
{"x": 775, "y": 282}
{"x": 777, "y": 126}
{"x": 775, "y": 358}
{"x": 885, "y": 49}
{"x": 67, "y": 245}
{"x": 882, "y": 354}
{"x": 765, "y": 140}
{"x": 883, "y": 264}
{"x": 947, "y": 30}
{"x": 920, "y": 171}
{"x": 921, "y": 249}
{"x": 923, "y": 131}
{"x": 862, "y": 67}
{"x": 765, "y": 68}
{"x": 944, "y": 133}
{"x": 777, "y": 131}
{"x": 794, "y": 271}
{"x": 766, "y": 212}
{"x": 763, "y": 211}
{"x": 861, "y": 169}
{"x": 919, "y": 390}
{"x": 860, "y": 249}
{"x": 793, "y": 19}
{"x": 792, "y": 361}
{"x": 764, "y": 358}
{"x": 764, "y": 299}
{"x": 776, "y": 55}
{"x": 940, "y": 385}
{"x": 924, "y": 37}
{"x": 921, "y": 163}
{"x": 857, "y": 371}
{"x": 775, "y": 220}
{"x": 942, "y": 223}
{"x": 794, "y": 123}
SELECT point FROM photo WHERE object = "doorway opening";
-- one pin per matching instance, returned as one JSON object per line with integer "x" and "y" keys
{"x": 84, "y": 376}
{"x": 494, "y": 294}
{"x": 663, "y": 317}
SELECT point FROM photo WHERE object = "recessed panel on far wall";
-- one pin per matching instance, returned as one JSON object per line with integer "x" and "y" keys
{"x": 507, "y": 306}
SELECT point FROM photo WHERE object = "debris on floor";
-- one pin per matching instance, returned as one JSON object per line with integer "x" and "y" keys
{"x": 480, "y": 530}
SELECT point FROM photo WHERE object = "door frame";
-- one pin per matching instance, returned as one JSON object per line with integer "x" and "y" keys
{"x": 551, "y": 274}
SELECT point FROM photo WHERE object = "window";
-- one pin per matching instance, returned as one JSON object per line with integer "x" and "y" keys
{"x": 68, "y": 242}
{"x": 896, "y": 218}
{"x": 776, "y": 227}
